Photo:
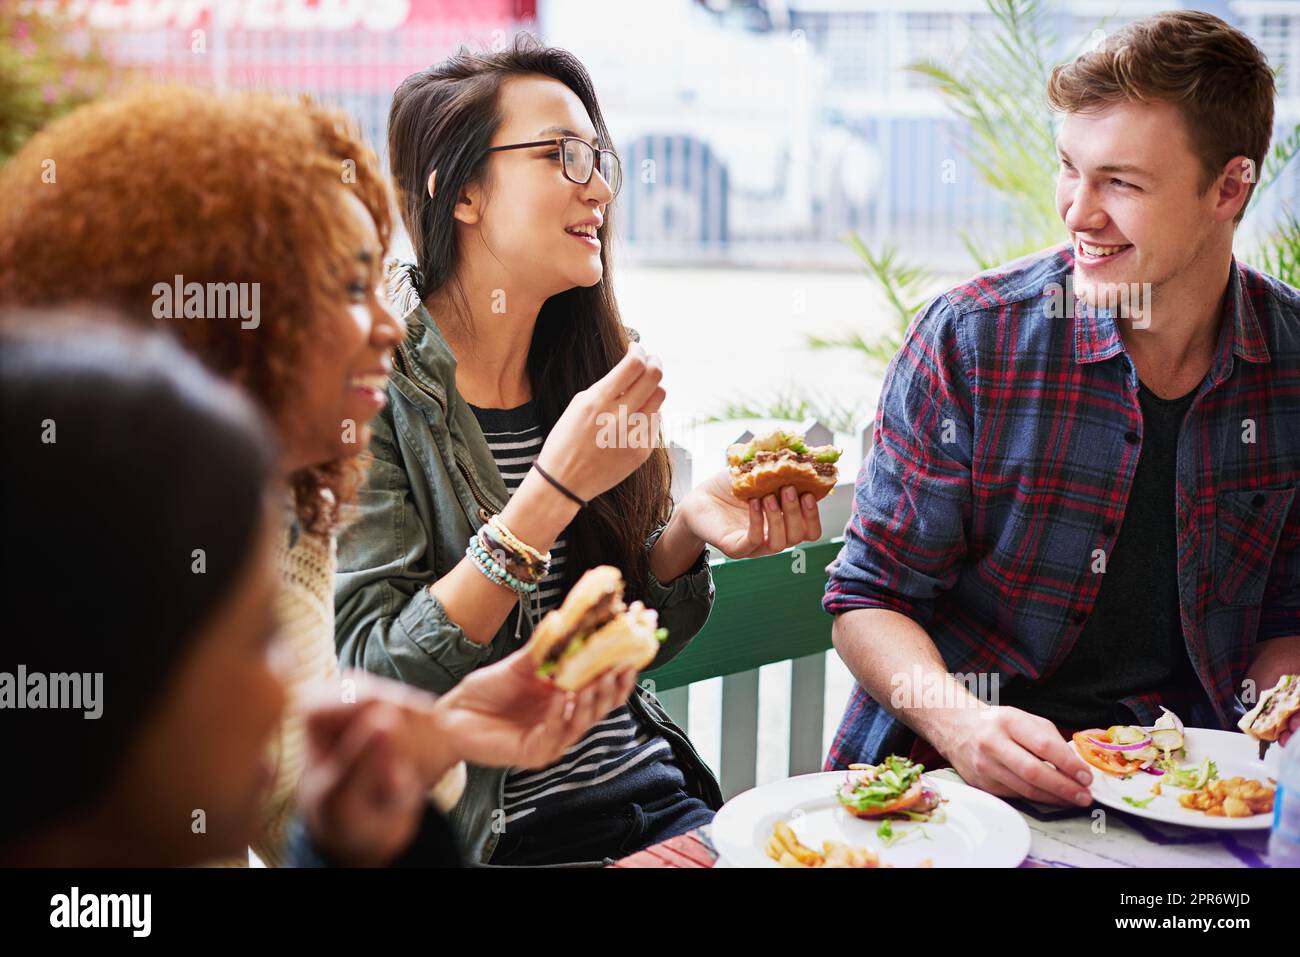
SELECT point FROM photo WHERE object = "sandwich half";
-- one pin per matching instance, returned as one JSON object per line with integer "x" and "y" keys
{"x": 593, "y": 632}
{"x": 1267, "y": 720}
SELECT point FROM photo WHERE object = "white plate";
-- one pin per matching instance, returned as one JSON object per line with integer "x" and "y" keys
{"x": 1234, "y": 754}
{"x": 979, "y": 829}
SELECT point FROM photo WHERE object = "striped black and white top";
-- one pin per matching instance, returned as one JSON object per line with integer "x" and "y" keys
{"x": 618, "y": 762}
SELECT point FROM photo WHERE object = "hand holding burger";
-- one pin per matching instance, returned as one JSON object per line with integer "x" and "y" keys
{"x": 764, "y": 502}
{"x": 1275, "y": 713}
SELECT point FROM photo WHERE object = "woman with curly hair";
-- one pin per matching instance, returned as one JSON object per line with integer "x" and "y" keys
{"x": 253, "y": 228}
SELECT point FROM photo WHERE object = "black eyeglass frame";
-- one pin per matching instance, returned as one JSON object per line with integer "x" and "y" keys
{"x": 564, "y": 165}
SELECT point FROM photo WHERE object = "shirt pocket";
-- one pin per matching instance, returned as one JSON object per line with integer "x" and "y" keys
{"x": 1248, "y": 525}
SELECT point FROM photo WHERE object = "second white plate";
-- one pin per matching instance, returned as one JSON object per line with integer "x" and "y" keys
{"x": 978, "y": 830}
{"x": 1234, "y": 754}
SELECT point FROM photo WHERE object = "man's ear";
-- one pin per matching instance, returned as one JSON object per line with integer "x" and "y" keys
{"x": 1237, "y": 175}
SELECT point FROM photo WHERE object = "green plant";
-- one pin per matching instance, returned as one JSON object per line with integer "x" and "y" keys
{"x": 42, "y": 74}
{"x": 1279, "y": 253}
{"x": 996, "y": 89}
{"x": 836, "y": 415}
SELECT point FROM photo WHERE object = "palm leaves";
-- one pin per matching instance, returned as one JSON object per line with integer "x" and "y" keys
{"x": 997, "y": 91}
{"x": 1279, "y": 254}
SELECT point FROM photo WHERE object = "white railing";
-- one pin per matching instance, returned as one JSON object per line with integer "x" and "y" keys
{"x": 743, "y": 722}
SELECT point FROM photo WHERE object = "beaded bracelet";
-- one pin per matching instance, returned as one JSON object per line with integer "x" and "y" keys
{"x": 483, "y": 567}
{"x": 523, "y": 566}
{"x": 494, "y": 570}
{"x": 495, "y": 573}
{"x": 513, "y": 541}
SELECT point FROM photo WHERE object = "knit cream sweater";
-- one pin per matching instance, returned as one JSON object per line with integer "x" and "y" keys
{"x": 305, "y": 610}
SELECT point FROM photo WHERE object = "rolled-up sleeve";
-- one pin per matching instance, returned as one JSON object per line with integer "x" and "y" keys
{"x": 386, "y": 619}
{"x": 683, "y": 604}
{"x": 906, "y": 537}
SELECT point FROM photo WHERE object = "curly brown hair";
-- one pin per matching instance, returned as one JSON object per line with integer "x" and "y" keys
{"x": 160, "y": 181}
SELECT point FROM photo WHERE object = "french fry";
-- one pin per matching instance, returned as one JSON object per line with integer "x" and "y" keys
{"x": 1230, "y": 797}
{"x": 785, "y": 848}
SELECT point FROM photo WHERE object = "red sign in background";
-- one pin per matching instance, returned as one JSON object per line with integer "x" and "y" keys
{"x": 341, "y": 46}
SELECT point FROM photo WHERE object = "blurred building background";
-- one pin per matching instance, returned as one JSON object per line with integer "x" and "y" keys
{"x": 753, "y": 132}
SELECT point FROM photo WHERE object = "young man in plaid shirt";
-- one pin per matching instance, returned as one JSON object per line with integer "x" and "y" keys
{"x": 1090, "y": 507}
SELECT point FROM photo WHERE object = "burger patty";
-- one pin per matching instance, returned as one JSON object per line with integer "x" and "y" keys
{"x": 1275, "y": 703}
{"x": 592, "y": 618}
{"x": 803, "y": 458}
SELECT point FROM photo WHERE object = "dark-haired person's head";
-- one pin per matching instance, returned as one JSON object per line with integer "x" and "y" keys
{"x": 518, "y": 221}
{"x": 137, "y": 674}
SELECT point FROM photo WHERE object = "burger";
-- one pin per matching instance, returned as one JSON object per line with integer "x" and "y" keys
{"x": 766, "y": 464}
{"x": 594, "y": 631}
{"x": 1268, "y": 719}
{"x": 893, "y": 788}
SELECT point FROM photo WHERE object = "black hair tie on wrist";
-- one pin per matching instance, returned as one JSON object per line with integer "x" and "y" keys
{"x": 558, "y": 487}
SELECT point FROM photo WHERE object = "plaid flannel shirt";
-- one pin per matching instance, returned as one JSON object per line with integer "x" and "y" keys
{"x": 1005, "y": 446}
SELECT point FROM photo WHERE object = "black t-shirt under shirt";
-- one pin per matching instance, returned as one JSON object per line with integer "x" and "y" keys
{"x": 1133, "y": 641}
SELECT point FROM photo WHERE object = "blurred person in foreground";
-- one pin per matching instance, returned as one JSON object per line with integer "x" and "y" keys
{"x": 148, "y": 704}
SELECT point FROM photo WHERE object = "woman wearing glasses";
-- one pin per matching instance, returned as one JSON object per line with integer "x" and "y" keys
{"x": 498, "y": 432}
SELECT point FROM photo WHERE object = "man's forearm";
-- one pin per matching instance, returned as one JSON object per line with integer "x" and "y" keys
{"x": 1273, "y": 659}
{"x": 886, "y": 651}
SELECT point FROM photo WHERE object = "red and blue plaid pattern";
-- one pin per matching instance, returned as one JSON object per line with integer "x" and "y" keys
{"x": 1005, "y": 446}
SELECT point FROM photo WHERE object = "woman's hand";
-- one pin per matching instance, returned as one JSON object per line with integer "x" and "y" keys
{"x": 608, "y": 430}
{"x": 362, "y": 793}
{"x": 503, "y": 715}
{"x": 372, "y": 758}
{"x": 742, "y": 529}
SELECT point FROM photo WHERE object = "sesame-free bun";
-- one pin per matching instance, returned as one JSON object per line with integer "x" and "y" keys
{"x": 593, "y": 632}
{"x": 767, "y": 463}
{"x": 768, "y": 478}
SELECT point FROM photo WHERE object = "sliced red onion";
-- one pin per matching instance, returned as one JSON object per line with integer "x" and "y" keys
{"x": 1120, "y": 747}
{"x": 1150, "y": 770}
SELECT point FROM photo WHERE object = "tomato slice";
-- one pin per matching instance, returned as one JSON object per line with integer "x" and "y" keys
{"x": 905, "y": 800}
{"x": 1101, "y": 759}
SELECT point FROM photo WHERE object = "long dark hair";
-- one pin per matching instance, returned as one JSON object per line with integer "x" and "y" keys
{"x": 123, "y": 455}
{"x": 444, "y": 118}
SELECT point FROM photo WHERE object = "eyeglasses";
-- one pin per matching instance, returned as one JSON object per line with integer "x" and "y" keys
{"x": 578, "y": 160}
